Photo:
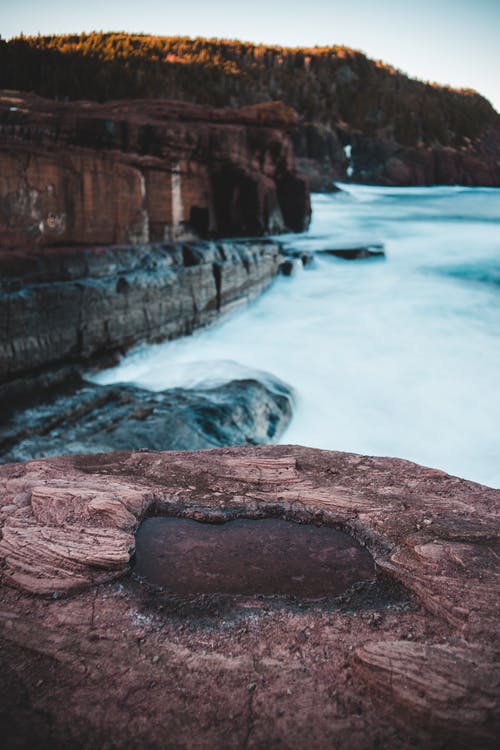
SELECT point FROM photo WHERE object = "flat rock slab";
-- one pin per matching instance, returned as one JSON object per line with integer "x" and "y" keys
{"x": 356, "y": 253}
{"x": 93, "y": 657}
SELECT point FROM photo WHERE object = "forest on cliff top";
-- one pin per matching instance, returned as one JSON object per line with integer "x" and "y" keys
{"x": 336, "y": 86}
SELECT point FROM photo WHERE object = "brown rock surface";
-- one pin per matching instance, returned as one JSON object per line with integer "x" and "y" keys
{"x": 406, "y": 661}
{"x": 140, "y": 171}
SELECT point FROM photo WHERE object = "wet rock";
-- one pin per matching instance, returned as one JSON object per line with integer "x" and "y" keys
{"x": 286, "y": 268}
{"x": 267, "y": 557}
{"x": 63, "y": 306}
{"x": 105, "y": 418}
{"x": 356, "y": 253}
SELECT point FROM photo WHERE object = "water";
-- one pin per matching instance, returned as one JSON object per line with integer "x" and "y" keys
{"x": 398, "y": 357}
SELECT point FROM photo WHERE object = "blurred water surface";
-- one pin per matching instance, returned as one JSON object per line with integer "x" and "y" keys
{"x": 396, "y": 357}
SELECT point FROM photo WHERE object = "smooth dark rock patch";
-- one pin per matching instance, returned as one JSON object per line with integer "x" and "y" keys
{"x": 249, "y": 557}
{"x": 356, "y": 253}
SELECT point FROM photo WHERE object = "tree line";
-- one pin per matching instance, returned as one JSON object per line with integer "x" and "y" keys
{"x": 336, "y": 86}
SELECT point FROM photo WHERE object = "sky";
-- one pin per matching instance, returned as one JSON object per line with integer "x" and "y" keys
{"x": 453, "y": 42}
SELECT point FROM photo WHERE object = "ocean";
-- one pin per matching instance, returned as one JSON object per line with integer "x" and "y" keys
{"x": 393, "y": 357}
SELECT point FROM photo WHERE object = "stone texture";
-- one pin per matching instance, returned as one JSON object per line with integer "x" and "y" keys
{"x": 356, "y": 253}
{"x": 141, "y": 171}
{"x": 63, "y": 305}
{"x": 409, "y": 661}
{"x": 319, "y": 155}
{"x": 95, "y": 419}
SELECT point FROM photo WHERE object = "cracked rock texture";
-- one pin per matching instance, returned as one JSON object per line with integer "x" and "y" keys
{"x": 64, "y": 305}
{"x": 92, "y": 657}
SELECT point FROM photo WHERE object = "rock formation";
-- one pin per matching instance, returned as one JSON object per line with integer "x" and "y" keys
{"x": 321, "y": 156}
{"x": 385, "y": 162}
{"x": 72, "y": 305}
{"x": 96, "y": 419}
{"x": 401, "y": 131}
{"x": 144, "y": 171}
{"x": 94, "y": 202}
{"x": 90, "y": 653}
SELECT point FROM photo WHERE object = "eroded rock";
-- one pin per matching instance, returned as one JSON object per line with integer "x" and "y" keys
{"x": 73, "y": 305}
{"x": 268, "y": 556}
{"x": 96, "y": 419}
{"x": 408, "y": 660}
{"x": 356, "y": 253}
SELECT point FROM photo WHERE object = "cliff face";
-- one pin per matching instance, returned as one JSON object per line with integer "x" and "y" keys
{"x": 144, "y": 171}
{"x": 325, "y": 155}
{"x": 61, "y": 305}
{"x": 387, "y": 163}
{"x": 92, "y": 198}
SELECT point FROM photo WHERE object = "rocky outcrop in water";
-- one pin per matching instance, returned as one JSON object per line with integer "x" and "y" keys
{"x": 96, "y": 419}
{"x": 144, "y": 171}
{"x": 88, "y": 652}
{"x": 356, "y": 253}
{"x": 74, "y": 305}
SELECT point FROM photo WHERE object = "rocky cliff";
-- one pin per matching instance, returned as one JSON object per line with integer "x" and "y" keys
{"x": 89, "y": 652}
{"x": 75, "y": 305}
{"x": 325, "y": 154}
{"x": 401, "y": 131}
{"x": 142, "y": 171}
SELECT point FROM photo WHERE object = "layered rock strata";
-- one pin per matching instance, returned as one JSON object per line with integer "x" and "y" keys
{"x": 409, "y": 660}
{"x": 72, "y": 305}
{"x": 144, "y": 171}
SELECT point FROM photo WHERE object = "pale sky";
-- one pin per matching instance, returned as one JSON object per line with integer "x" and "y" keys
{"x": 452, "y": 42}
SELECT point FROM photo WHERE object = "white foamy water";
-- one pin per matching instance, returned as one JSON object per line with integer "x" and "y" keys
{"x": 397, "y": 357}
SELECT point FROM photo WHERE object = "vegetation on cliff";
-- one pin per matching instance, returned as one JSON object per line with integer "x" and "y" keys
{"x": 335, "y": 85}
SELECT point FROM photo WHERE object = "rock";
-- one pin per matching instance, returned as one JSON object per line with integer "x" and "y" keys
{"x": 144, "y": 171}
{"x": 68, "y": 306}
{"x": 384, "y": 162}
{"x": 94, "y": 647}
{"x": 286, "y": 268}
{"x": 319, "y": 156}
{"x": 356, "y": 253}
{"x": 97, "y": 419}
{"x": 381, "y": 161}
